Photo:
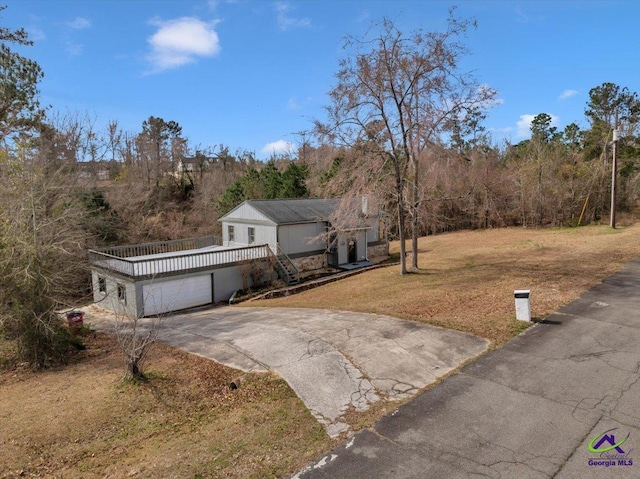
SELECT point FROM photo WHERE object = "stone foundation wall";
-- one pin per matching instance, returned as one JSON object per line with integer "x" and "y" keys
{"x": 378, "y": 252}
{"x": 317, "y": 263}
{"x": 310, "y": 265}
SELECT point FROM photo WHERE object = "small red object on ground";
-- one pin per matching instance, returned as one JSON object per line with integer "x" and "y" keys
{"x": 75, "y": 320}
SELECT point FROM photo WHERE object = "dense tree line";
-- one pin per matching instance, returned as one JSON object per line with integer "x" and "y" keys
{"x": 266, "y": 183}
{"x": 555, "y": 178}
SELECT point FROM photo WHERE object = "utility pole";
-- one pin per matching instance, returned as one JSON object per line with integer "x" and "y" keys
{"x": 614, "y": 171}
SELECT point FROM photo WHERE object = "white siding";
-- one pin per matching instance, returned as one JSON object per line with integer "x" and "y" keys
{"x": 264, "y": 234}
{"x": 373, "y": 233}
{"x": 109, "y": 299}
{"x": 343, "y": 250}
{"x": 361, "y": 246}
{"x": 302, "y": 238}
{"x": 244, "y": 213}
{"x": 182, "y": 260}
{"x": 162, "y": 295}
{"x": 175, "y": 294}
{"x": 361, "y": 238}
{"x": 225, "y": 282}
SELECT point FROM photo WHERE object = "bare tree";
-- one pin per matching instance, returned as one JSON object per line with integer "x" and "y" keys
{"x": 135, "y": 336}
{"x": 114, "y": 139}
{"x": 392, "y": 101}
{"x": 353, "y": 213}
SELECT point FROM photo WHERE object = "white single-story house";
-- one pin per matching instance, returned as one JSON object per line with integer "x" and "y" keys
{"x": 261, "y": 239}
{"x": 301, "y": 230}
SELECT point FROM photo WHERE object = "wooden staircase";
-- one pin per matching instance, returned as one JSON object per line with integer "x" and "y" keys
{"x": 285, "y": 268}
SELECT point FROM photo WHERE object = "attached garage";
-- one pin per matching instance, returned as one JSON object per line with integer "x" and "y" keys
{"x": 175, "y": 294}
{"x": 158, "y": 278}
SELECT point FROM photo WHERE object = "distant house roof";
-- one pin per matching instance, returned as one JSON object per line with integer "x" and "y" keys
{"x": 292, "y": 211}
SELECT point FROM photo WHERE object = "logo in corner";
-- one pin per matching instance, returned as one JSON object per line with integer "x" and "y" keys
{"x": 600, "y": 439}
{"x": 609, "y": 450}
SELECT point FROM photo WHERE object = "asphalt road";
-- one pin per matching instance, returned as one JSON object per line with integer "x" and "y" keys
{"x": 561, "y": 400}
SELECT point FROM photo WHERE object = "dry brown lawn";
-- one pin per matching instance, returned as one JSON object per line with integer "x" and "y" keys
{"x": 83, "y": 421}
{"x": 467, "y": 278}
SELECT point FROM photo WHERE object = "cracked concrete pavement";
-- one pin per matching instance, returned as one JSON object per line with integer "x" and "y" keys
{"x": 333, "y": 360}
{"x": 528, "y": 410}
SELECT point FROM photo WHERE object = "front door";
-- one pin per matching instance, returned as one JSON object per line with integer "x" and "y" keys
{"x": 353, "y": 251}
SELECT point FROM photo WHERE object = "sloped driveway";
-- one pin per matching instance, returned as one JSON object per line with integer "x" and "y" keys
{"x": 333, "y": 360}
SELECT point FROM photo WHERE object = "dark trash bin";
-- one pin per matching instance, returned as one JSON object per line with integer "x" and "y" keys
{"x": 75, "y": 321}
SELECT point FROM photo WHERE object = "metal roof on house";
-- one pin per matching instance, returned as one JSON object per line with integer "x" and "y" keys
{"x": 292, "y": 211}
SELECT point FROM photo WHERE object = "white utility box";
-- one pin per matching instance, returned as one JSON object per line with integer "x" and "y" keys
{"x": 523, "y": 304}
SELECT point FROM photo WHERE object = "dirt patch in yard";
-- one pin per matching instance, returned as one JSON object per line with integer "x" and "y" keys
{"x": 468, "y": 278}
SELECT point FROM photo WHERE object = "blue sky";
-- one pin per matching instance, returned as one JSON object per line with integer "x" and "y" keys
{"x": 252, "y": 74}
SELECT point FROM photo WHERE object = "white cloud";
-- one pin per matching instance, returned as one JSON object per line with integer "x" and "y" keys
{"x": 363, "y": 17}
{"x": 277, "y": 147}
{"x": 292, "y": 104}
{"x": 526, "y": 17}
{"x": 285, "y": 22}
{"x": 521, "y": 16}
{"x": 36, "y": 34}
{"x": 180, "y": 41}
{"x": 567, "y": 94}
{"x": 79, "y": 23}
{"x": 74, "y": 49}
{"x": 524, "y": 124}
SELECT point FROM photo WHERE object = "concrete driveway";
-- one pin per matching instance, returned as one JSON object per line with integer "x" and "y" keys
{"x": 333, "y": 360}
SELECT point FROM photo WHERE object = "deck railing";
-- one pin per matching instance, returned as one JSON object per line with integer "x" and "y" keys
{"x": 195, "y": 261}
{"x": 158, "y": 247}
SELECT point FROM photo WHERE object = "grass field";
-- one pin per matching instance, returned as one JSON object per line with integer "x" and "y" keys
{"x": 83, "y": 421}
{"x": 467, "y": 278}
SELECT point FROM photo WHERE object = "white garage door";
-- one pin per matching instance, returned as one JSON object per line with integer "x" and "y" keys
{"x": 176, "y": 294}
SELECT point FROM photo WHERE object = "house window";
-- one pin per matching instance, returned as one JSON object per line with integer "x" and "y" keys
{"x": 230, "y": 231}
{"x": 252, "y": 235}
{"x": 102, "y": 284}
{"x": 122, "y": 293}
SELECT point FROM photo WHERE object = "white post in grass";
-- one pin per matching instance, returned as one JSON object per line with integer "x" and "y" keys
{"x": 523, "y": 304}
